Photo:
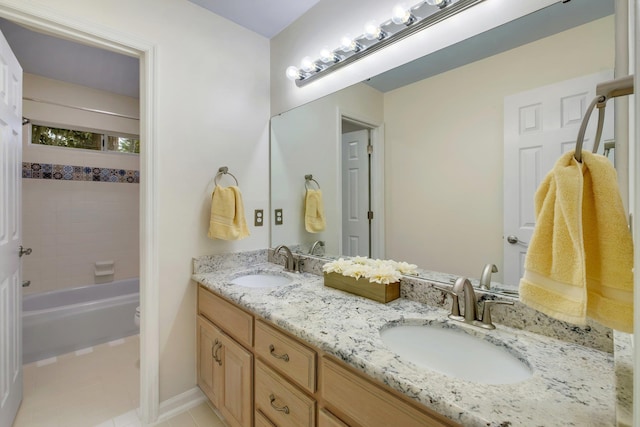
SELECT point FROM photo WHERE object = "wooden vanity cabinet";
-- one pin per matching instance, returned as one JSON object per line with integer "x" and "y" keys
{"x": 225, "y": 368}
{"x": 277, "y": 380}
{"x": 362, "y": 402}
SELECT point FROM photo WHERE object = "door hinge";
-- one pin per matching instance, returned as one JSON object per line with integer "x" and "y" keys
{"x": 370, "y": 215}
{"x": 369, "y": 149}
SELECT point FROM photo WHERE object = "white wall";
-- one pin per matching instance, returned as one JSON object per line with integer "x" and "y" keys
{"x": 212, "y": 93}
{"x": 70, "y": 225}
{"x": 451, "y": 153}
{"x": 305, "y": 141}
{"x": 325, "y": 23}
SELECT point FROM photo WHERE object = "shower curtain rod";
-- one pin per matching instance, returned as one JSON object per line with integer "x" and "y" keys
{"x": 75, "y": 107}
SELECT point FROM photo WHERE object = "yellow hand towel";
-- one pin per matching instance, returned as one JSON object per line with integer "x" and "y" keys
{"x": 227, "y": 219}
{"x": 579, "y": 262}
{"x": 314, "y": 221}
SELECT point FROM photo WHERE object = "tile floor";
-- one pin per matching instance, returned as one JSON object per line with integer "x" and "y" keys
{"x": 98, "y": 386}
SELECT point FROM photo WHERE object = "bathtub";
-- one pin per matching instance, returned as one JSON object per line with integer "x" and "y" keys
{"x": 59, "y": 322}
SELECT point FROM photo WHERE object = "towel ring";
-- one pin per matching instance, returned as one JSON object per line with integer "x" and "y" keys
{"x": 604, "y": 91}
{"x": 224, "y": 171}
{"x": 307, "y": 183}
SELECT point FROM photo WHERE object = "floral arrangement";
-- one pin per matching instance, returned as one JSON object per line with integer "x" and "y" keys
{"x": 376, "y": 270}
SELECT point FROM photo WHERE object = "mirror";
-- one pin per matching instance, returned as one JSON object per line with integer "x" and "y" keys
{"x": 436, "y": 126}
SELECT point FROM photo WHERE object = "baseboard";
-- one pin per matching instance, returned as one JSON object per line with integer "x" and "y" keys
{"x": 180, "y": 403}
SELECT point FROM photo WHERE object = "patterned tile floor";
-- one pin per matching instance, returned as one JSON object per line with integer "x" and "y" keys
{"x": 98, "y": 386}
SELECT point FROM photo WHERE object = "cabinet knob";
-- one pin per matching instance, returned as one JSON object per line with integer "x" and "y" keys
{"x": 272, "y": 400}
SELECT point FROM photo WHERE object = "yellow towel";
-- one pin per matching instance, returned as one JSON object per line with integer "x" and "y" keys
{"x": 227, "y": 220}
{"x": 580, "y": 259}
{"x": 314, "y": 221}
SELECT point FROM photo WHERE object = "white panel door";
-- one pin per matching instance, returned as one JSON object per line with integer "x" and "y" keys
{"x": 540, "y": 125}
{"x": 355, "y": 193}
{"x": 10, "y": 234}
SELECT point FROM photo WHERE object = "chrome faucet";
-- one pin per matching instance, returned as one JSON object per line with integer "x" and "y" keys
{"x": 470, "y": 305}
{"x": 315, "y": 245}
{"x": 470, "y": 309}
{"x": 485, "y": 278}
{"x": 289, "y": 260}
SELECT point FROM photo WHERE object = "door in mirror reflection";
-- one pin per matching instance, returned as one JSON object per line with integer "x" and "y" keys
{"x": 356, "y": 185}
{"x": 539, "y": 126}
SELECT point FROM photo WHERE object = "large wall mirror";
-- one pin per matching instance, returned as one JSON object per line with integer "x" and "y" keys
{"x": 434, "y": 176}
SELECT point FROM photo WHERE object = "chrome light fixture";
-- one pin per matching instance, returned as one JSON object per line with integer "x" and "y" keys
{"x": 404, "y": 22}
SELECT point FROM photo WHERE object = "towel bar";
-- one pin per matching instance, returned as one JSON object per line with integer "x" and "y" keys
{"x": 224, "y": 171}
{"x": 604, "y": 91}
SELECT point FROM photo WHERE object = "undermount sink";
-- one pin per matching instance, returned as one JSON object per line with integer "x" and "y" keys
{"x": 261, "y": 280}
{"x": 455, "y": 353}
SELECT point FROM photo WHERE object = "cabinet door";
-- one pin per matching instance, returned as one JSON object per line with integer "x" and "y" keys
{"x": 210, "y": 374}
{"x": 237, "y": 394}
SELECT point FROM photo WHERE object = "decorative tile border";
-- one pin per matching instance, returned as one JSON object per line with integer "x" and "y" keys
{"x": 78, "y": 173}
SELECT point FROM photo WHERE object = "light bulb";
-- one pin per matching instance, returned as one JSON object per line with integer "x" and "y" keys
{"x": 372, "y": 31}
{"x": 439, "y": 3}
{"x": 347, "y": 43}
{"x": 308, "y": 65}
{"x": 293, "y": 73}
{"x": 401, "y": 15}
{"x": 327, "y": 55}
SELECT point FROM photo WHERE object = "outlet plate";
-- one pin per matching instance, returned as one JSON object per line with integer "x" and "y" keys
{"x": 258, "y": 217}
{"x": 278, "y": 217}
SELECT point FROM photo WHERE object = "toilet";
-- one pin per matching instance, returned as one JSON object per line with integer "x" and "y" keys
{"x": 137, "y": 316}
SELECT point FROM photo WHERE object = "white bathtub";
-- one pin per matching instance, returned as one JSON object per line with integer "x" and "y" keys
{"x": 59, "y": 322}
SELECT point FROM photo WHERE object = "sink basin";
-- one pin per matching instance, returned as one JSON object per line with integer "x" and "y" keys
{"x": 455, "y": 353}
{"x": 261, "y": 280}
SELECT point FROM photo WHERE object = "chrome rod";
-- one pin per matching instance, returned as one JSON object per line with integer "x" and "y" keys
{"x": 76, "y": 107}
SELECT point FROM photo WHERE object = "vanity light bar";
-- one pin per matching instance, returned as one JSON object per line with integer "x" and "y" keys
{"x": 419, "y": 17}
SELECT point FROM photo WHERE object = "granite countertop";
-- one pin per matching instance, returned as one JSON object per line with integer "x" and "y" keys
{"x": 571, "y": 385}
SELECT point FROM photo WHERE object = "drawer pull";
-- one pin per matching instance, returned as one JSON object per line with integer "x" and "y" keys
{"x": 272, "y": 350}
{"x": 284, "y": 409}
{"x": 214, "y": 351}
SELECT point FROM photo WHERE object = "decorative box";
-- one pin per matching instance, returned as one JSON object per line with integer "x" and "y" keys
{"x": 363, "y": 287}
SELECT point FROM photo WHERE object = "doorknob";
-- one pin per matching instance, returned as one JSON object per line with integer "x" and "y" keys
{"x": 514, "y": 239}
{"x": 26, "y": 283}
{"x": 24, "y": 251}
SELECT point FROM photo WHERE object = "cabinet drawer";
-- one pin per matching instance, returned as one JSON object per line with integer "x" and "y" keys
{"x": 327, "y": 419}
{"x": 281, "y": 402}
{"x": 262, "y": 421}
{"x": 287, "y": 355}
{"x": 368, "y": 404}
{"x": 227, "y": 316}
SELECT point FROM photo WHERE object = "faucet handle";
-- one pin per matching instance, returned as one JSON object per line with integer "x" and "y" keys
{"x": 486, "y": 313}
{"x": 455, "y": 304}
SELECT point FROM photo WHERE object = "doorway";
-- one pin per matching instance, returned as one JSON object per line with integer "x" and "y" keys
{"x": 362, "y": 191}
{"x": 33, "y": 17}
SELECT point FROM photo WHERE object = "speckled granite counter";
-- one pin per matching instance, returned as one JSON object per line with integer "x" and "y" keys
{"x": 572, "y": 385}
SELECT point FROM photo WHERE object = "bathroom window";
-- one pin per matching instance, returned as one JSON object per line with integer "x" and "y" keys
{"x": 70, "y": 138}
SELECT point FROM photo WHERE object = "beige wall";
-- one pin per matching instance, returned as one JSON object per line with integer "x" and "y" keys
{"x": 212, "y": 110}
{"x": 444, "y": 158}
{"x": 304, "y": 141}
{"x": 71, "y": 225}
